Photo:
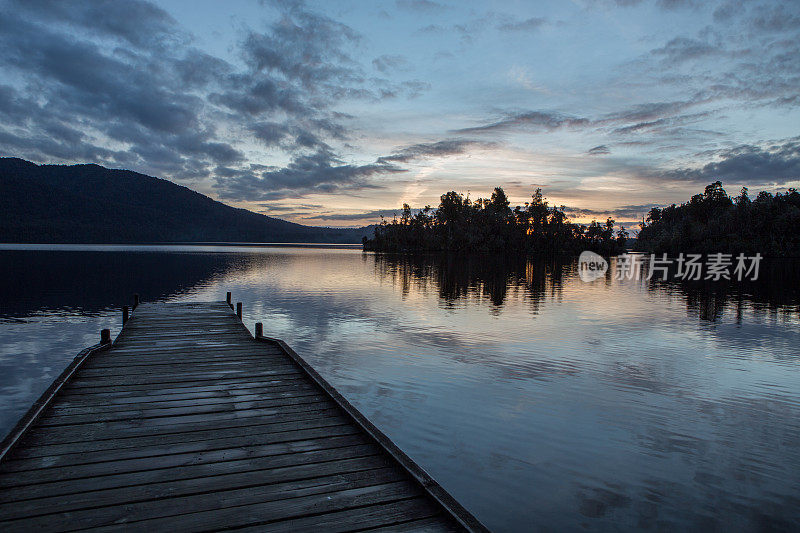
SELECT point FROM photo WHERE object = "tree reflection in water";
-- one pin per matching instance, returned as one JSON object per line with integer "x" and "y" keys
{"x": 494, "y": 278}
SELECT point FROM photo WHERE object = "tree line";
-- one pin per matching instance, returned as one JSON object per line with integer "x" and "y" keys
{"x": 491, "y": 225}
{"x": 715, "y": 222}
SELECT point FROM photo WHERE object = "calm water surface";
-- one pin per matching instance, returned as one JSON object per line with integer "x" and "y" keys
{"x": 538, "y": 400}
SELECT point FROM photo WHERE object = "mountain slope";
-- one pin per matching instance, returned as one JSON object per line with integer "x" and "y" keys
{"x": 93, "y": 204}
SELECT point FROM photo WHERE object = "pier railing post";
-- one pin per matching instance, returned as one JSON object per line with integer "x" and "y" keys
{"x": 259, "y": 330}
{"x": 228, "y": 299}
{"x": 124, "y": 314}
{"x": 105, "y": 336}
{"x": 136, "y": 300}
{"x": 239, "y": 310}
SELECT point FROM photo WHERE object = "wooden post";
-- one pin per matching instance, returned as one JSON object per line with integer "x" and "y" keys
{"x": 228, "y": 299}
{"x": 136, "y": 300}
{"x": 259, "y": 329}
{"x": 124, "y": 314}
{"x": 105, "y": 336}
{"x": 239, "y": 310}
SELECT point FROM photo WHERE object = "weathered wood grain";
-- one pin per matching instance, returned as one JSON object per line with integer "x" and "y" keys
{"x": 188, "y": 423}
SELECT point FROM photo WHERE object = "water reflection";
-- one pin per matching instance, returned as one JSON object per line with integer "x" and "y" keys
{"x": 537, "y": 399}
{"x": 491, "y": 278}
{"x": 776, "y": 291}
{"x": 481, "y": 277}
{"x": 89, "y": 282}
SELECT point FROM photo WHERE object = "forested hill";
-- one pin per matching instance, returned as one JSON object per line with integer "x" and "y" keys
{"x": 93, "y": 204}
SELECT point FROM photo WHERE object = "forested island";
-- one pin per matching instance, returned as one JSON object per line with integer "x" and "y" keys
{"x": 490, "y": 225}
{"x": 709, "y": 222}
{"x": 715, "y": 222}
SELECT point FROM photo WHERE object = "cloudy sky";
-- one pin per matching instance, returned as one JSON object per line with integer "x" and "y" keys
{"x": 332, "y": 113}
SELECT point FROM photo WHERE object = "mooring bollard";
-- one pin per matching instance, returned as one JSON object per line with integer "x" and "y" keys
{"x": 239, "y": 310}
{"x": 228, "y": 299}
{"x": 259, "y": 329}
{"x": 124, "y": 314}
{"x": 136, "y": 300}
{"x": 105, "y": 336}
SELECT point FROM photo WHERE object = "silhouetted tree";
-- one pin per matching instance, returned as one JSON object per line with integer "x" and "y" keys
{"x": 714, "y": 222}
{"x": 490, "y": 225}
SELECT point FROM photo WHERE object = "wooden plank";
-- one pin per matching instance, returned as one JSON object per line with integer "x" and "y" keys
{"x": 183, "y": 487}
{"x": 93, "y": 406}
{"x": 187, "y": 378}
{"x": 81, "y": 456}
{"x": 239, "y": 384}
{"x": 116, "y": 430}
{"x": 143, "y": 412}
{"x": 263, "y": 513}
{"x": 393, "y": 516}
{"x": 278, "y": 412}
{"x": 10, "y": 478}
{"x": 189, "y": 423}
{"x": 38, "y": 447}
{"x": 64, "y": 487}
{"x": 218, "y": 501}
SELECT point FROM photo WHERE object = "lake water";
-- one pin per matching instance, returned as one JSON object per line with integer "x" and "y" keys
{"x": 538, "y": 400}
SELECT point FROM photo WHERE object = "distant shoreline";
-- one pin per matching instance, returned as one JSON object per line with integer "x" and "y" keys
{"x": 171, "y": 245}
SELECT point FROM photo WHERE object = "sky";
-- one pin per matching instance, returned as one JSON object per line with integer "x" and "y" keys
{"x": 335, "y": 113}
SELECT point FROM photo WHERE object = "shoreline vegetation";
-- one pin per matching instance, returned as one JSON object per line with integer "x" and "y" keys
{"x": 490, "y": 225}
{"x": 709, "y": 222}
{"x": 715, "y": 222}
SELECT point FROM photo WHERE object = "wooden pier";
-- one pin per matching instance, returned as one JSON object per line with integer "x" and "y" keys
{"x": 186, "y": 422}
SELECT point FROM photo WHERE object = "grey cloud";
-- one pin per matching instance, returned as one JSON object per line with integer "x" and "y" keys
{"x": 374, "y": 214}
{"x": 307, "y": 48}
{"x": 129, "y": 75}
{"x": 624, "y": 211}
{"x": 251, "y": 95}
{"x": 434, "y": 149}
{"x": 421, "y": 5}
{"x": 270, "y": 133}
{"x": 323, "y": 171}
{"x": 778, "y": 18}
{"x": 466, "y": 31}
{"x": 387, "y": 63}
{"x": 647, "y": 116}
{"x": 754, "y": 71}
{"x": 93, "y": 82}
{"x": 137, "y": 98}
{"x": 661, "y": 124}
{"x": 198, "y": 69}
{"x": 536, "y": 120}
{"x": 277, "y": 207}
{"x": 647, "y": 111}
{"x": 318, "y": 172}
{"x": 677, "y": 4}
{"x": 286, "y": 136}
{"x": 775, "y": 163}
{"x": 657, "y": 122}
{"x": 663, "y": 4}
{"x": 533, "y": 23}
{"x": 140, "y": 23}
{"x": 682, "y": 49}
{"x": 599, "y": 150}
{"x": 432, "y": 28}
{"x": 45, "y": 146}
{"x": 726, "y": 11}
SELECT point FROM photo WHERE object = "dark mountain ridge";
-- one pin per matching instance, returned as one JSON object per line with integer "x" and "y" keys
{"x": 94, "y": 204}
